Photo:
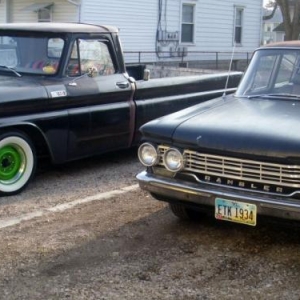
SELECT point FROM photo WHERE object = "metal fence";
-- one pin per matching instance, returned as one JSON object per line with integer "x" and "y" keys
{"x": 192, "y": 59}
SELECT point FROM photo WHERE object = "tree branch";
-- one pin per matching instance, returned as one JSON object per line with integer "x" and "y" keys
{"x": 268, "y": 17}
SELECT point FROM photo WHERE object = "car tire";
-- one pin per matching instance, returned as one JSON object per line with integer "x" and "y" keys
{"x": 17, "y": 162}
{"x": 183, "y": 213}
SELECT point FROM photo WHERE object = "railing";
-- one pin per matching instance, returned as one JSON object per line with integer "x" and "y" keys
{"x": 217, "y": 60}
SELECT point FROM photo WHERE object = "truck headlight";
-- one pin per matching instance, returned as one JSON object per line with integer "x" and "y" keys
{"x": 173, "y": 160}
{"x": 148, "y": 155}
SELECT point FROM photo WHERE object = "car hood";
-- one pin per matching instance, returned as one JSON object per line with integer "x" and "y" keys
{"x": 18, "y": 89}
{"x": 260, "y": 127}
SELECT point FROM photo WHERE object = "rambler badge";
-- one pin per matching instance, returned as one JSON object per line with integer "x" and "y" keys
{"x": 243, "y": 184}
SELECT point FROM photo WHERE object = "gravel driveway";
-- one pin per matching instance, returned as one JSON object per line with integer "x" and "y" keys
{"x": 132, "y": 247}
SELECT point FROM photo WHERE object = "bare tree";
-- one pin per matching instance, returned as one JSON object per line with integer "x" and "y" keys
{"x": 290, "y": 10}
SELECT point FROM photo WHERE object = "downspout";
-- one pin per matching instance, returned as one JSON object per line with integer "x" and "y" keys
{"x": 7, "y": 10}
{"x": 78, "y": 4}
{"x": 261, "y": 35}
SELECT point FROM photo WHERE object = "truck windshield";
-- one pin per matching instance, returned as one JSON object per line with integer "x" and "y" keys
{"x": 272, "y": 72}
{"x": 33, "y": 55}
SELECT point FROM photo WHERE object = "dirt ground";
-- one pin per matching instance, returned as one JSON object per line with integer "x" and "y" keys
{"x": 132, "y": 247}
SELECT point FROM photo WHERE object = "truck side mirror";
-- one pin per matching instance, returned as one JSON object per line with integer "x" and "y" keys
{"x": 146, "y": 76}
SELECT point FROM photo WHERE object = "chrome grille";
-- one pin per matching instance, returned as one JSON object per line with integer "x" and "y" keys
{"x": 240, "y": 169}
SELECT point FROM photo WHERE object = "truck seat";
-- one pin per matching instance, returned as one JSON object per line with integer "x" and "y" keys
{"x": 73, "y": 70}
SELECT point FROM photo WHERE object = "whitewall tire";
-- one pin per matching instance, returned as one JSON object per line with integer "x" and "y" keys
{"x": 17, "y": 162}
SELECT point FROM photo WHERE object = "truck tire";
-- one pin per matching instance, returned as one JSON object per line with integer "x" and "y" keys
{"x": 17, "y": 162}
{"x": 182, "y": 212}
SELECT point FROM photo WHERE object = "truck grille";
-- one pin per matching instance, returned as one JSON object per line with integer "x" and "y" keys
{"x": 240, "y": 169}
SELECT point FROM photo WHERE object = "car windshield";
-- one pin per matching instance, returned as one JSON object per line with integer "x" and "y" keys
{"x": 29, "y": 54}
{"x": 272, "y": 73}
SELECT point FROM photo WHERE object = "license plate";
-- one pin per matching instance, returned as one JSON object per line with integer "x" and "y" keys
{"x": 235, "y": 211}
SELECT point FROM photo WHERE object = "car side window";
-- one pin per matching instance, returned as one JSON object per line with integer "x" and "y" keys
{"x": 285, "y": 70}
{"x": 90, "y": 54}
{"x": 263, "y": 73}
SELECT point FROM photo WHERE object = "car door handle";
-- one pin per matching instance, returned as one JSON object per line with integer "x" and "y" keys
{"x": 123, "y": 84}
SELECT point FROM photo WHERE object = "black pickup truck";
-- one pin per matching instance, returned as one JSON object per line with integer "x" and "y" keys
{"x": 237, "y": 156}
{"x": 65, "y": 92}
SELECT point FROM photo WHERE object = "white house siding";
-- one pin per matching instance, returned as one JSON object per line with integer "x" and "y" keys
{"x": 2, "y": 13}
{"x": 214, "y": 22}
{"x": 3, "y": 17}
{"x": 136, "y": 20}
{"x": 138, "y": 23}
{"x": 62, "y": 11}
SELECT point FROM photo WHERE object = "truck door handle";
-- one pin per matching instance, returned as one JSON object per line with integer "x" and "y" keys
{"x": 122, "y": 84}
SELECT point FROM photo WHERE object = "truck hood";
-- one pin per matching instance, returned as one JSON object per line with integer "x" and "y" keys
{"x": 18, "y": 89}
{"x": 260, "y": 127}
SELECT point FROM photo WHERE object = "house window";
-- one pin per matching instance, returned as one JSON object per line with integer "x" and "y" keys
{"x": 187, "y": 24}
{"x": 238, "y": 29}
{"x": 45, "y": 14}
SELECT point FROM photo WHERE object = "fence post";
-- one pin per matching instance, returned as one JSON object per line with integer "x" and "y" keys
{"x": 217, "y": 61}
{"x": 139, "y": 57}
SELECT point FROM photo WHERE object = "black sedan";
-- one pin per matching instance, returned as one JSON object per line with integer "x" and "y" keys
{"x": 236, "y": 156}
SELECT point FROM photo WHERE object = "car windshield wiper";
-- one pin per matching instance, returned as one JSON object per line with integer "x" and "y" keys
{"x": 275, "y": 96}
{"x": 11, "y": 69}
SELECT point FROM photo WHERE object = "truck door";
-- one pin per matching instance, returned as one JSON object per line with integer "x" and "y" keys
{"x": 102, "y": 121}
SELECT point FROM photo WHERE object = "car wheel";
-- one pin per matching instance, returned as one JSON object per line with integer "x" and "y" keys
{"x": 182, "y": 212}
{"x": 17, "y": 162}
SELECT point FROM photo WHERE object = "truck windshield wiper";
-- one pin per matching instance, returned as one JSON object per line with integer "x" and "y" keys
{"x": 279, "y": 95}
{"x": 11, "y": 69}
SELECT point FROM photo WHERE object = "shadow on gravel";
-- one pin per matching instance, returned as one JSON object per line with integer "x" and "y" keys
{"x": 54, "y": 180}
{"x": 161, "y": 239}
{"x": 114, "y": 157}
{"x": 160, "y": 257}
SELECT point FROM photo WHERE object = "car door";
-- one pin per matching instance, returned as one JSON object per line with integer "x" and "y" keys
{"x": 100, "y": 120}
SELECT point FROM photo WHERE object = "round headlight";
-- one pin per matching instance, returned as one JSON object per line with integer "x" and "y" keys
{"x": 148, "y": 155}
{"x": 173, "y": 160}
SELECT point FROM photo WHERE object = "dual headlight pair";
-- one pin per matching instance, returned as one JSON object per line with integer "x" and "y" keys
{"x": 172, "y": 158}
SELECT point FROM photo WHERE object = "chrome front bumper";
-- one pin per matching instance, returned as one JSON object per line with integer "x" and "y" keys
{"x": 205, "y": 194}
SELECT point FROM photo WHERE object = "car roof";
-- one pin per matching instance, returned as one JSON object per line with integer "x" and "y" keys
{"x": 58, "y": 27}
{"x": 285, "y": 44}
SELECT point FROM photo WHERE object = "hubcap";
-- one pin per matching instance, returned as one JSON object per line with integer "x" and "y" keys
{"x": 10, "y": 162}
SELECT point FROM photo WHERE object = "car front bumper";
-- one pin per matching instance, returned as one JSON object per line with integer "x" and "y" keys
{"x": 204, "y": 194}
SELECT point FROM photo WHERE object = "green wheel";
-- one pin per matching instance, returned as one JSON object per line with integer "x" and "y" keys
{"x": 17, "y": 162}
